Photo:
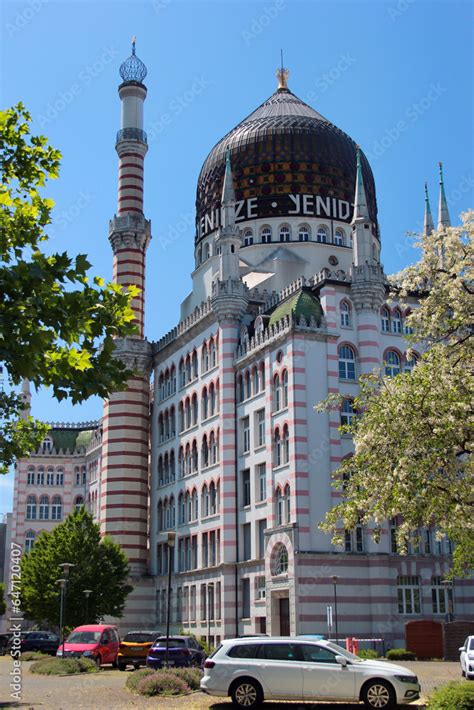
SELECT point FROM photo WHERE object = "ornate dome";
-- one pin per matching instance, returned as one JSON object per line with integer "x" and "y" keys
{"x": 133, "y": 69}
{"x": 281, "y": 152}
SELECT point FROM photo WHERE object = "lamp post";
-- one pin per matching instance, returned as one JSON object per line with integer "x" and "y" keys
{"x": 335, "y": 579}
{"x": 170, "y": 541}
{"x": 87, "y": 593}
{"x": 66, "y": 567}
{"x": 448, "y": 586}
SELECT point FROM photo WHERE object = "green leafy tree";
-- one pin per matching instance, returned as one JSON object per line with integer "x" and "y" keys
{"x": 56, "y": 323}
{"x": 3, "y": 606}
{"x": 413, "y": 436}
{"x": 100, "y": 565}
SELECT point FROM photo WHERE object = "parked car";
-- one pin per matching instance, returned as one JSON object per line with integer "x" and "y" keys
{"x": 43, "y": 641}
{"x": 279, "y": 668}
{"x": 4, "y": 639}
{"x": 134, "y": 648}
{"x": 183, "y": 651}
{"x": 467, "y": 658}
{"x": 100, "y": 642}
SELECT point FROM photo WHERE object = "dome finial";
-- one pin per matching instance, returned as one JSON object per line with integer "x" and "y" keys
{"x": 282, "y": 74}
{"x": 134, "y": 41}
{"x": 133, "y": 69}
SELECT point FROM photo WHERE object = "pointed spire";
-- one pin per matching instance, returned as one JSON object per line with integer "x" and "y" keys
{"x": 428, "y": 226}
{"x": 444, "y": 219}
{"x": 25, "y": 398}
{"x": 228, "y": 194}
{"x": 361, "y": 211}
{"x": 282, "y": 75}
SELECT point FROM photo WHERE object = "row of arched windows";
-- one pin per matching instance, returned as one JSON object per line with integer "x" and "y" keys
{"x": 251, "y": 382}
{"x": 167, "y": 424}
{"x": 393, "y": 362}
{"x": 188, "y": 458}
{"x": 38, "y": 476}
{"x": 391, "y": 321}
{"x": 44, "y": 509}
{"x": 188, "y": 409}
{"x": 188, "y": 368}
{"x": 188, "y": 506}
{"x": 303, "y": 233}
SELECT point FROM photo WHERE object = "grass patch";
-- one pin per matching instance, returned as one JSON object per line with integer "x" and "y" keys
{"x": 457, "y": 695}
{"x": 34, "y": 656}
{"x": 64, "y": 666}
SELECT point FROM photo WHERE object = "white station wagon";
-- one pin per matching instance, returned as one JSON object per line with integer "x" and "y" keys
{"x": 252, "y": 670}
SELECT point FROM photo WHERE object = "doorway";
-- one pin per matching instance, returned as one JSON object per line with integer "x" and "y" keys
{"x": 284, "y": 604}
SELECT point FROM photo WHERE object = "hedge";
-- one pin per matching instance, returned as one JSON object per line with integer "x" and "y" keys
{"x": 457, "y": 695}
{"x": 400, "y": 654}
{"x": 64, "y": 666}
{"x": 369, "y": 653}
{"x": 162, "y": 683}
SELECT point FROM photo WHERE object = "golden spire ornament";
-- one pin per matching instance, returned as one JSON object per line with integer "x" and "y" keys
{"x": 282, "y": 74}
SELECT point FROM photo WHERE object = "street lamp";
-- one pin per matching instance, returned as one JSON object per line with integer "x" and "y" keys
{"x": 448, "y": 586}
{"x": 170, "y": 542}
{"x": 87, "y": 593}
{"x": 335, "y": 579}
{"x": 66, "y": 567}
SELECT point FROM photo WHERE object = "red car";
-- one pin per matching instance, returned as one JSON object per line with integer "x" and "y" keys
{"x": 99, "y": 642}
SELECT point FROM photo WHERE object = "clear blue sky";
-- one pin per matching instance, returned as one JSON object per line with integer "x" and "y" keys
{"x": 396, "y": 76}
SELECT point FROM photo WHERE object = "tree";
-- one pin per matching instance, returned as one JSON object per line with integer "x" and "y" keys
{"x": 413, "y": 435}
{"x": 56, "y": 323}
{"x": 100, "y": 565}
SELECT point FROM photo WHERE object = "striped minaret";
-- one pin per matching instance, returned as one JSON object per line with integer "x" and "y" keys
{"x": 124, "y": 495}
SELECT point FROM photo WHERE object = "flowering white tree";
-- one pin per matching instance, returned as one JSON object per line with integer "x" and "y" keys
{"x": 413, "y": 436}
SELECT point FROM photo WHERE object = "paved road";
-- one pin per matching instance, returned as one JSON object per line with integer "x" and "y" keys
{"x": 106, "y": 691}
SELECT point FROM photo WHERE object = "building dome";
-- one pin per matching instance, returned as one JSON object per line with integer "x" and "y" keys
{"x": 287, "y": 159}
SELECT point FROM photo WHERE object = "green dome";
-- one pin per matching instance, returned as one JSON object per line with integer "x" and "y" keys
{"x": 303, "y": 303}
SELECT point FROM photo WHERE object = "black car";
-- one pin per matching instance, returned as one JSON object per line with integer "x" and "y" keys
{"x": 183, "y": 651}
{"x": 4, "y": 639}
{"x": 43, "y": 641}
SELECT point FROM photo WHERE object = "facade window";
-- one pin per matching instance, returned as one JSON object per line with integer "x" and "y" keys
{"x": 192, "y": 602}
{"x": 345, "y": 313}
{"x": 285, "y": 445}
{"x": 205, "y": 549}
{"x": 246, "y": 499}
{"x": 262, "y": 526}
{"x": 248, "y": 237}
{"x": 284, "y": 389}
{"x": 245, "y": 435}
{"x": 397, "y": 323}
{"x": 50, "y": 477}
{"x": 31, "y": 508}
{"x": 203, "y": 602}
{"x": 205, "y": 501}
{"x": 410, "y": 362}
{"x": 287, "y": 504}
{"x": 280, "y": 507}
{"x": 276, "y": 393}
{"x": 40, "y": 477}
{"x": 322, "y": 235}
{"x": 393, "y": 536}
{"x": 255, "y": 381}
{"x": 260, "y": 587}
{"x": 348, "y": 413}
{"x": 44, "y": 508}
{"x": 266, "y": 234}
{"x": 280, "y": 560}
{"x": 441, "y": 596}
{"x": 339, "y": 237}
{"x": 30, "y": 476}
{"x": 385, "y": 320}
{"x": 246, "y": 598}
{"x": 277, "y": 449}
{"x": 392, "y": 364}
{"x": 29, "y": 540}
{"x": 409, "y": 598}
{"x": 285, "y": 233}
{"x": 354, "y": 539}
{"x": 346, "y": 363}
{"x": 60, "y": 477}
{"x": 262, "y": 481}
{"x": 304, "y": 233}
{"x": 218, "y": 600}
{"x": 260, "y": 427}
{"x": 56, "y": 508}
{"x": 84, "y": 475}
{"x": 213, "y": 353}
{"x": 247, "y": 540}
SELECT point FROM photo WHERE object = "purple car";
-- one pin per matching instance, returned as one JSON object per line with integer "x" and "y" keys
{"x": 183, "y": 651}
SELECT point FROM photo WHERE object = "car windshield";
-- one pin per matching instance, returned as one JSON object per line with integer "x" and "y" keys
{"x": 139, "y": 637}
{"x": 342, "y": 652}
{"x": 173, "y": 642}
{"x": 84, "y": 637}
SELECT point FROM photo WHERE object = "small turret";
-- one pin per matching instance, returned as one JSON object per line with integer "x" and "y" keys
{"x": 25, "y": 397}
{"x": 444, "y": 219}
{"x": 362, "y": 225}
{"x": 228, "y": 240}
{"x": 428, "y": 226}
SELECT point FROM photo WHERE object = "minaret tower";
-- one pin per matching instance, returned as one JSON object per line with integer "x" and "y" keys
{"x": 26, "y": 398}
{"x": 124, "y": 484}
{"x": 428, "y": 226}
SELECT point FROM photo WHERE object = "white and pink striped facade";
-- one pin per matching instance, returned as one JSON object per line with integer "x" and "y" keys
{"x": 229, "y": 453}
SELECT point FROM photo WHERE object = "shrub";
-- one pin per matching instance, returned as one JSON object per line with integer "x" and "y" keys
{"x": 163, "y": 683}
{"x": 135, "y": 677}
{"x": 191, "y": 676}
{"x": 64, "y": 666}
{"x": 367, "y": 653}
{"x": 457, "y": 695}
{"x": 400, "y": 654}
{"x": 34, "y": 656}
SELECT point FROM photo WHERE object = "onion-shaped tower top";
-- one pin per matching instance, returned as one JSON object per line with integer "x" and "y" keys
{"x": 133, "y": 69}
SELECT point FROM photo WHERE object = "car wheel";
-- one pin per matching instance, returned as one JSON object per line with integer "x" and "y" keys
{"x": 136, "y": 666}
{"x": 98, "y": 661}
{"x": 246, "y": 693}
{"x": 122, "y": 666}
{"x": 378, "y": 694}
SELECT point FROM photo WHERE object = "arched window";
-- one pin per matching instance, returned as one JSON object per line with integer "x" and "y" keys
{"x": 284, "y": 388}
{"x": 266, "y": 234}
{"x": 410, "y": 362}
{"x": 205, "y": 358}
{"x": 276, "y": 393}
{"x": 181, "y": 509}
{"x": 160, "y": 516}
{"x": 285, "y": 445}
{"x": 187, "y": 460}
{"x": 60, "y": 477}
{"x": 322, "y": 234}
{"x": 213, "y": 448}
{"x": 346, "y": 363}
{"x": 285, "y": 233}
{"x": 392, "y": 363}
{"x": 181, "y": 420}
{"x": 194, "y": 409}
{"x": 173, "y": 379}
{"x": 194, "y": 505}
{"x": 204, "y": 452}
{"x": 187, "y": 504}
{"x": 40, "y": 476}
{"x": 181, "y": 463}
{"x": 339, "y": 237}
{"x": 241, "y": 390}
{"x": 262, "y": 376}
{"x": 44, "y": 508}
{"x": 385, "y": 320}
{"x": 172, "y": 513}
{"x": 56, "y": 508}
{"x": 204, "y": 404}
{"x": 287, "y": 504}
{"x": 188, "y": 369}
{"x": 207, "y": 251}
{"x": 194, "y": 365}
{"x": 345, "y": 312}
{"x": 30, "y": 476}
{"x": 78, "y": 503}
{"x": 31, "y": 508}
{"x": 277, "y": 453}
{"x": 348, "y": 413}
{"x": 279, "y": 560}
{"x": 29, "y": 540}
{"x": 248, "y": 385}
{"x": 172, "y": 466}
{"x": 280, "y": 507}
{"x": 397, "y": 322}
{"x": 304, "y": 233}
{"x": 166, "y": 469}
{"x": 182, "y": 374}
{"x": 212, "y": 353}
{"x": 205, "y": 501}
{"x": 187, "y": 413}
{"x": 50, "y": 476}
{"x": 212, "y": 499}
{"x": 248, "y": 237}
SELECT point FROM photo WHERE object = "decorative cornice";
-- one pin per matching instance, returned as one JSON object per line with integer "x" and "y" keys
{"x": 129, "y": 231}
{"x": 229, "y": 299}
{"x": 368, "y": 287}
{"x": 135, "y": 354}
